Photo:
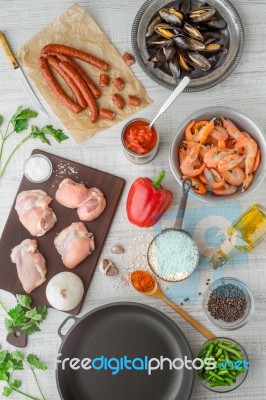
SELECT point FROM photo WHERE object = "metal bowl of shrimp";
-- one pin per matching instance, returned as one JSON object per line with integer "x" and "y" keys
{"x": 223, "y": 152}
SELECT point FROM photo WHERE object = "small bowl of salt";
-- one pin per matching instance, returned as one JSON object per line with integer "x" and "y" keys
{"x": 38, "y": 168}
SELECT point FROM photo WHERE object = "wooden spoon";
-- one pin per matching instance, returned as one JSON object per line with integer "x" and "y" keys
{"x": 156, "y": 292}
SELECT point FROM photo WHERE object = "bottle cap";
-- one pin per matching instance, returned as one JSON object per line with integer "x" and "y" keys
{"x": 218, "y": 259}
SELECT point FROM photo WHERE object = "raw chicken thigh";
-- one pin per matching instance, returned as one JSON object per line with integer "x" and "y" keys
{"x": 70, "y": 193}
{"x": 89, "y": 202}
{"x": 34, "y": 212}
{"x": 31, "y": 266}
{"x": 93, "y": 206}
{"x": 74, "y": 244}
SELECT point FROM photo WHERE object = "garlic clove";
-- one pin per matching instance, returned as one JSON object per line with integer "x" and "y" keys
{"x": 108, "y": 268}
{"x": 117, "y": 249}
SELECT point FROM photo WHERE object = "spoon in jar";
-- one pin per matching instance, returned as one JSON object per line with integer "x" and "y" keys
{"x": 147, "y": 285}
{"x": 182, "y": 85}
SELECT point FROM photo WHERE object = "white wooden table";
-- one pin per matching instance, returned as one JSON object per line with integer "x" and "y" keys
{"x": 245, "y": 90}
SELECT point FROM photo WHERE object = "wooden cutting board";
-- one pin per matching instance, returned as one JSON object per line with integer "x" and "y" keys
{"x": 14, "y": 232}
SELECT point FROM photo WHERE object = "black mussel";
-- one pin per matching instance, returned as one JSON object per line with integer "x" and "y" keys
{"x": 213, "y": 48}
{"x": 159, "y": 41}
{"x": 193, "y": 32}
{"x": 160, "y": 55}
{"x": 185, "y": 6}
{"x": 184, "y": 65}
{"x": 177, "y": 13}
{"x": 165, "y": 30}
{"x": 212, "y": 35}
{"x": 216, "y": 23}
{"x": 210, "y": 40}
{"x": 202, "y": 14}
{"x": 177, "y": 31}
{"x": 216, "y": 58}
{"x": 169, "y": 52}
{"x": 199, "y": 61}
{"x": 152, "y": 25}
{"x": 187, "y": 43}
{"x": 153, "y": 58}
{"x": 169, "y": 17}
{"x": 174, "y": 68}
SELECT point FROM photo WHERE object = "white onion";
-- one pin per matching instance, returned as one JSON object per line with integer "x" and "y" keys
{"x": 65, "y": 291}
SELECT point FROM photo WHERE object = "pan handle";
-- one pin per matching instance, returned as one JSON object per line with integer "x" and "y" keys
{"x": 63, "y": 324}
{"x": 186, "y": 185}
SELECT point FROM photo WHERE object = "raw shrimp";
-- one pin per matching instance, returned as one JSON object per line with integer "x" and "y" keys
{"x": 181, "y": 154}
{"x": 226, "y": 190}
{"x": 188, "y": 166}
{"x": 188, "y": 133}
{"x": 202, "y": 135}
{"x": 234, "y": 177}
{"x": 198, "y": 186}
{"x": 250, "y": 147}
{"x": 257, "y": 161}
{"x": 212, "y": 178}
{"x": 229, "y": 162}
{"x": 192, "y": 133}
{"x": 215, "y": 155}
{"x": 233, "y": 131}
{"x": 220, "y": 134}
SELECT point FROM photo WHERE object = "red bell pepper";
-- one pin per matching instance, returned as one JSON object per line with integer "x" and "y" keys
{"x": 147, "y": 201}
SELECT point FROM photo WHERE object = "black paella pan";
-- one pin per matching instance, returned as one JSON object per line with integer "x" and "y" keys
{"x": 117, "y": 330}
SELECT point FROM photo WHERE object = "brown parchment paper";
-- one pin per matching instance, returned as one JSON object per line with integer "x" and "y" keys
{"x": 77, "y": 29}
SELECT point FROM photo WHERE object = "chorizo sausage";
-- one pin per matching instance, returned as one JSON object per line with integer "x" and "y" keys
{"x": 53, "y": 62}
{"x": 86, "y": 93}
{"x": 72, "y": 52}
{"x": 107, "y": 114}
{"x": 119, "y": 83}
{"x": 55, "y": 87}
{"x": 94, "y": 89}
{"x": 104, "y": 80}
{"x": 133, "y": 100}
{"x": 119, "y": 101}
{"x": 129, "y": 59}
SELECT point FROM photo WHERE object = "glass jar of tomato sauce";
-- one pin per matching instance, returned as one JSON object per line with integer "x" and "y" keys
{"x": 140, "y": 143}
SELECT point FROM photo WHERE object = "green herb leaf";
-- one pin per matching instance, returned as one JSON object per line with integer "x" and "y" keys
{"x": 1, "y": 119}
{"x": 21, "y": 118}
{"x": 16, "y": 384}
{"x": 37, "y": 134}
{"x": 24, "y": 300}
{"x": 31, "y": 313}
{"x": 3, "y": 355}
{"x": 35, "y": 362}
{"x": 4, "y": 376}
{"x": 18, "y": 355}
{"x": 57, "y": 134}
{"x": 17, "y": 315}
{"x": 42, "y": 311}
{"x": 7, "y": 391}
{"x": 31, "y": 328}
{"x": 9, "y": 325}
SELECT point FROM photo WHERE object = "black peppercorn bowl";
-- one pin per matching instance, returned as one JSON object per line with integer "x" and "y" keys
{"x": 228, "y": 303}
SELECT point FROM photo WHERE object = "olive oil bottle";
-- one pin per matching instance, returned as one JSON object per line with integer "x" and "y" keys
{"x": 243, "y": 235}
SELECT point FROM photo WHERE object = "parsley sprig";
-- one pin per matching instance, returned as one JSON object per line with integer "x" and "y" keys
{"x": 16, "y": 361}
{"x": 24, "y": 316}
{"x": 19, "y": 123}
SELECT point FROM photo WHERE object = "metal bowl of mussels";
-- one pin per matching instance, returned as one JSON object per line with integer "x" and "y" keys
{"x": 203, "y": 40}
